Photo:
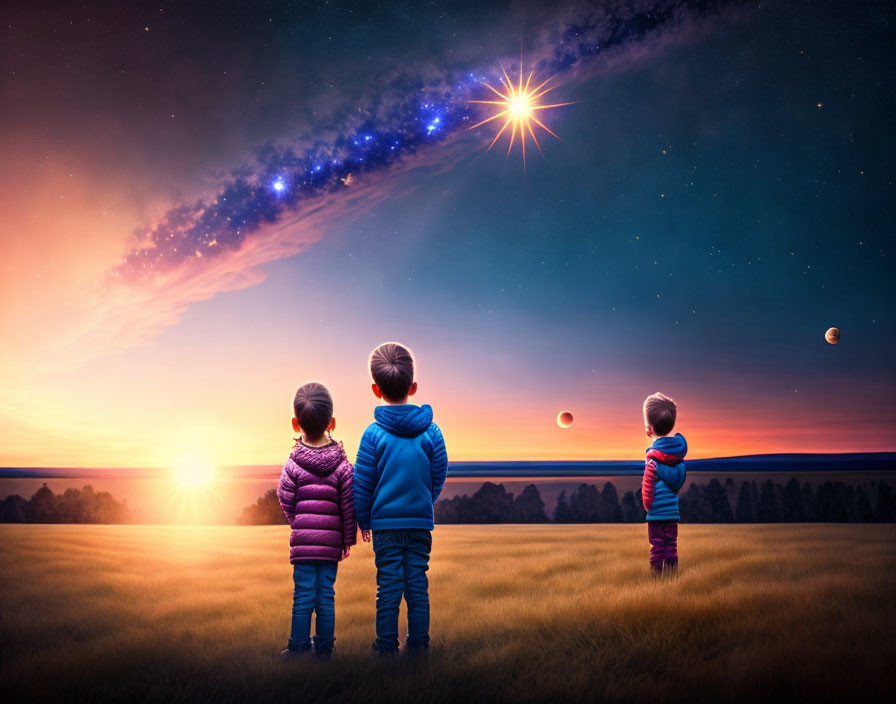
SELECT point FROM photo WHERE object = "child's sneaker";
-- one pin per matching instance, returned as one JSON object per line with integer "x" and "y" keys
{"x": 296, "y": 650}
{"x": 415, "y": 651}
{"x": 383, "y": 650}
{"x": 323, "y": 649}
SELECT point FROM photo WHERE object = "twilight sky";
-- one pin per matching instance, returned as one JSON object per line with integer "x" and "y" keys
{"x": 180, "y": 250}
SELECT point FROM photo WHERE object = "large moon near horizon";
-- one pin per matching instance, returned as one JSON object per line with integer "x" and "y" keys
{"x": 832, "y": 335}
{"x": 564, "y": 419}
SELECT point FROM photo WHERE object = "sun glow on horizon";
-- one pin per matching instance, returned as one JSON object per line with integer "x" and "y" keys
{"x": 193, "y": 498}
{"x": 518, "y": 104}
{"x": 194, "y": 472}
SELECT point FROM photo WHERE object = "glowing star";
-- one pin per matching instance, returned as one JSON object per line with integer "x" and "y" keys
{"x": 518, "y": 105}
{"x": 347, "y": 181}
{"x": 279, "y": 185}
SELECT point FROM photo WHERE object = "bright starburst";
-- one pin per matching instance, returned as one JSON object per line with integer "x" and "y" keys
{"x": 518, "y": 105}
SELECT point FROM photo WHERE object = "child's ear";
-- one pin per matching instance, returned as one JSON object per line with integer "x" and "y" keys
{"x": 413, "y": 389}
{"x": 295, "y": 425}
{"x": 332, "y": 426}
{"x": 376, "y": 391}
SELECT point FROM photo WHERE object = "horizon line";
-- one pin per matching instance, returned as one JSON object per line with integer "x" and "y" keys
{"x": 18, "y": 472}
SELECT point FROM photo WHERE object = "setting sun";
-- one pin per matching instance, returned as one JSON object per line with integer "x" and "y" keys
{"x": 194, "y": 472}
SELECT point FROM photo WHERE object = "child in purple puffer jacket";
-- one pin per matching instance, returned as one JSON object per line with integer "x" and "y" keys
{"x": 316, "y": 495}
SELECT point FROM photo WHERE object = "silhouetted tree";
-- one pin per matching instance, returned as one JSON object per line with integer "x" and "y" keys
{"x": 717, "y": 498}
{"x": 745, "y": 511}
{"x": 824, "y": 502}
{"x": 42, "y": 506}
{"x": 632, "y": 511}
{"x": 562, "y": 512}
{"x": 13, "y": 509}
{"x": 265, "y": 511}
{"x": 731, "y": 492}
{"x": 609, "y": 504}
{"x": 585, "y": 504}
{"x": 754, "y": 496}
{"x": 695, "y": 507}
{"x": 808, "y": 502}
{"x": 883, "y": 503}
{"x": 792, "y": 502}
{"x": 768, "y": 511}
{"x": 491, "y": 504}
{"x": 108, "y": 509}
{"x": 829, "y": 504}
{"x": 845, "y": 502}
{"x": 528, "y": 507}
{"x": 70, "y": 507}
{"x": 864, "y": 514}
{"x": 448, "y": 510}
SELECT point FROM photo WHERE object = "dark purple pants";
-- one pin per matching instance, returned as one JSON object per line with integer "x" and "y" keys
{"x": 663, "y": 537}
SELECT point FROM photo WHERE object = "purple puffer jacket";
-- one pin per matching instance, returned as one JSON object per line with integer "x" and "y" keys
{"x": 316, "y": 494}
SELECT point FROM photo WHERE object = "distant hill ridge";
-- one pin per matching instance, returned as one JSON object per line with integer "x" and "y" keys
{"x": 783, "y": 462}
{"x": 780, "y": 462}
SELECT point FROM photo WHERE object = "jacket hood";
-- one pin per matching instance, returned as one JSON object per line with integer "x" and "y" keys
{"x": 669, "y": 454}
{"x": 674, "y": 445}
{"x": 405, "y": 420}
{"x": 320, "y": 461}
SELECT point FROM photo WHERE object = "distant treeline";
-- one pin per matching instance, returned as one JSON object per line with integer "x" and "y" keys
{"x": 72, "y": 506}
{"x": 714, "y": 502}
{"x": 265, "y": 511}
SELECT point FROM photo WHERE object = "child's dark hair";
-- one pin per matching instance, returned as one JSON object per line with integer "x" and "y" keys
{"x": 392, "y": 369}
{"x": 660, "y": 412}
{"x": 313, "y": 407}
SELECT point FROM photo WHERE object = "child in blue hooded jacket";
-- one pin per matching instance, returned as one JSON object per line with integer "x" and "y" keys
{"x": 664, "y": 475}
{"x": 399, "y": 473}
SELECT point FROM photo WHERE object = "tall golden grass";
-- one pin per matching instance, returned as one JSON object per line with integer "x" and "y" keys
{"x": 519, "y": 613}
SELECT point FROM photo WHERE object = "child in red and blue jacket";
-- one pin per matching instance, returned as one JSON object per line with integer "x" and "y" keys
{"x": 664, "y": 475}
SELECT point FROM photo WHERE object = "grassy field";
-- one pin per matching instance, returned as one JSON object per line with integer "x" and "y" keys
{"x": 520, "y": 613}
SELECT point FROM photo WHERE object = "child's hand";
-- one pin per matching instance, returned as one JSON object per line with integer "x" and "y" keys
{"x": 365, "y": 536}
{"x": 346, "y": 549}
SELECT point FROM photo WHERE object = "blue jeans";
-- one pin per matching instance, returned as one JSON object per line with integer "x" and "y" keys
{"x": 402, "y": 558}
{"x": 313, "y": 592}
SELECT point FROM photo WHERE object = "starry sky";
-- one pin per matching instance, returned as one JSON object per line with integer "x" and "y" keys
{"x": 183, "y": 245}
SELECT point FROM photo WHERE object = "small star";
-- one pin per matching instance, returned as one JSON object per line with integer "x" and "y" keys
{"x": 818, "y": 105}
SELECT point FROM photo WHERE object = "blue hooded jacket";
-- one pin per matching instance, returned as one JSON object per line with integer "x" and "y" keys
{"x": 660, "y": 488}
{"x": 400, "y": 469}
